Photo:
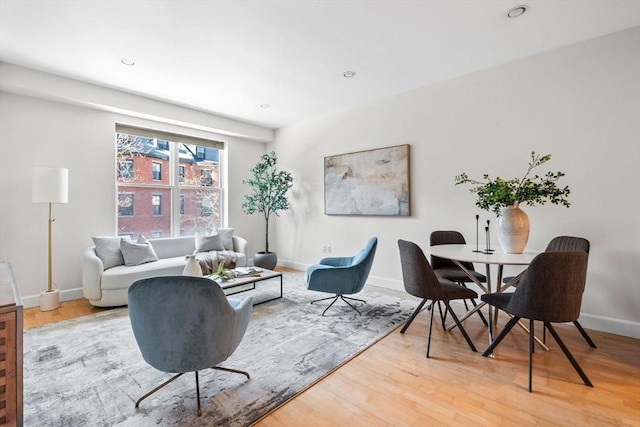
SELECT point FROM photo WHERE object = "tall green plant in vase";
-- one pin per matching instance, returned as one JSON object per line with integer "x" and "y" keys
{"x": 504, "y": 197}
{"x": 268, "y": 196}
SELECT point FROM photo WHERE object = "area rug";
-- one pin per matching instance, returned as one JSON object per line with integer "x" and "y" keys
{"x": 89, "y": 372}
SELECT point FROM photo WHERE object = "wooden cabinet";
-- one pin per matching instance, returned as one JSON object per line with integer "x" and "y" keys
{"x": 10, "y": 349}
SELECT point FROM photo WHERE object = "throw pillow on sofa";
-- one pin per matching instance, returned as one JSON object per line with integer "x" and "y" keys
{"x": 139, "y": 252}
{"x": 206, "y": 243}
{"x": 108, "y": 250}
{"x": 226, "y": 234}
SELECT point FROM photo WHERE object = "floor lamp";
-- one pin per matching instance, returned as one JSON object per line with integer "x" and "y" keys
{"x": 50, "y": 185}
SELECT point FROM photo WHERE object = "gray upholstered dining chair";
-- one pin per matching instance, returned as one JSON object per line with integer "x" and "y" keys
{"x": 421, "y": 281}
{"x": 567, "y": 243}
{"x": 342, "y": 275}
{"x": 186, "y": 324}
{"x": 551, "y": 292}
{"x": 447, "y": 269}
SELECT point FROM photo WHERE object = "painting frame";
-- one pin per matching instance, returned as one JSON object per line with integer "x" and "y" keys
{"x": 372, "y": 182}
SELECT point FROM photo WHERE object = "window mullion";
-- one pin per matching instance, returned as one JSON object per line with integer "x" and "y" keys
{"x": 175, "y": 189}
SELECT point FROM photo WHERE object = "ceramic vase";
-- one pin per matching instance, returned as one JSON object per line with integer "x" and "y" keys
{"x": 513, "y": 229}
{"x": 193, "y": 267}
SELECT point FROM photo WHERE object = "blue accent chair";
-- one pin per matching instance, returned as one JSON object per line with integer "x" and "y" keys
{"x": 342, "y": 275}
{"x": 186, "y": 324}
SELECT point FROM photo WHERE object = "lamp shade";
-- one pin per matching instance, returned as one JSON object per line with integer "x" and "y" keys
{"x": 50, "y": 185}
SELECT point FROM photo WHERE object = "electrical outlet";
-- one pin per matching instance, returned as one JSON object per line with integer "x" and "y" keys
{"x": 324, "y": 249}
{"x": 329, "y": 249}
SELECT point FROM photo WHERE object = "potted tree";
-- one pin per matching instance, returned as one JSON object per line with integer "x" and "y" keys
{"x": 503, "y": 197}
{"x": 268, "y": 196}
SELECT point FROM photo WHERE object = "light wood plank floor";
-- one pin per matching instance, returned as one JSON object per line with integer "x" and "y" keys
{"x": 393, "y": 384}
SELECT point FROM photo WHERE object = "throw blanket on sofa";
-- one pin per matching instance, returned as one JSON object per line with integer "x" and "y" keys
{"x": 209, "y": 261}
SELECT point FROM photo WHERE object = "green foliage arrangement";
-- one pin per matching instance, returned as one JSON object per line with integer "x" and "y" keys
{"x": 496, "y": 194}
{"x": 269, "y": 190}
{"x": 223, "y": 273}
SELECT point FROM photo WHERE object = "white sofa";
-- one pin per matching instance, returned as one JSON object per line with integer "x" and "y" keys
{"x": 108, "y": 288}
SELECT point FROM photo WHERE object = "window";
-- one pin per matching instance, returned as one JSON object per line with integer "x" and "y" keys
{"x": 205, "y": 209}
{"x": 156, "y": 171}
{"x": 125, "y": 204}
{"x": 176, "y": 181}
{"x": 156, "y": 204}
{"x": 125, "y": 169}
{"x": 206, "y": 178}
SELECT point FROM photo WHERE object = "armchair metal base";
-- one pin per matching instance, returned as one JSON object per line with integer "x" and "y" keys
{"x": 343, "y": 298}
{"x": 199, "y": 410}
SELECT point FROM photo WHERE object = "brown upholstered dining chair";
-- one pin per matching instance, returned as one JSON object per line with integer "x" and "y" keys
{"x": 447, "y": 269}
{"x": 551, "y": 292}
{"x": 568, "y": 243}
{"x": 420, "y": 281}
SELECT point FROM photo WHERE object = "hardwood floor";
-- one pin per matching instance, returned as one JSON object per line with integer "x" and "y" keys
{"x": 68, "y": 310}
{"x": 393, "y": 384}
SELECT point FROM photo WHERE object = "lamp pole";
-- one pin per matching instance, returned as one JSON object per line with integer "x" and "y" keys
{"x": 50, "y": 259}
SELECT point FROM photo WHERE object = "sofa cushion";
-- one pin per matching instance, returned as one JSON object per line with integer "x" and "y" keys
{"x": 123, "y": 276}
{"x": 136, "y": 253}
{"x": 108, "y": 250}
{"x": 169, "y": 247}
{"x": 226, "y": 235}
{"x": 206, "y": 243}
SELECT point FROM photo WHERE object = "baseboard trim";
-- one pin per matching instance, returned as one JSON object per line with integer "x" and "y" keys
{"x": 625, "y": 328}
{"x": 65, "y": 295}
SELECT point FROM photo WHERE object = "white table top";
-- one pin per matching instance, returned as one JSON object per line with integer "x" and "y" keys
{"x": 466, "y": 253}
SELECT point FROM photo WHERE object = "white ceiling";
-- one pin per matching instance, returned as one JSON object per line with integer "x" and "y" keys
{"x": 230, "y": 57}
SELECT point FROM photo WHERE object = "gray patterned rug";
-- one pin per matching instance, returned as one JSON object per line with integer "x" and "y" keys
{"x": 89, "y": 371}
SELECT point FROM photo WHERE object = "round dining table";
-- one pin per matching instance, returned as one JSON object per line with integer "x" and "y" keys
{"x": 470, "y": 253}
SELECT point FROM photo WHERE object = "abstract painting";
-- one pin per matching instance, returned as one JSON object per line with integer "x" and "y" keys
{"x": 372, "y": 182}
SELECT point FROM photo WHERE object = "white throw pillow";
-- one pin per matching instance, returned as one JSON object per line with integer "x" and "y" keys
{"x": 206, "y": 243}
{"x": 108, "y": 250}
{"x": 139, "y": 252}
{"x": 226, "y": 234}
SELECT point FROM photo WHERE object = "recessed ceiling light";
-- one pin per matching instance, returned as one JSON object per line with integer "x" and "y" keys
{"x": 349, "y": 74}
{"x": 517, "y": 11}
{"x": 128, "y": 62}
{"x": 265, "y": 105}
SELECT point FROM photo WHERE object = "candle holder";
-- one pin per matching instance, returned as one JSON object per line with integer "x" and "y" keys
{"x": 477, "y": 227}
{"x": 488, "y": 249}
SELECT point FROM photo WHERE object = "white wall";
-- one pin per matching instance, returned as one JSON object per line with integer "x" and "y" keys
{"x": 580, "y": 103}
{"x": 80, "y": 136}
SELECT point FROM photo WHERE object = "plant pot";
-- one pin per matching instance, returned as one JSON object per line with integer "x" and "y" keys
{"x": 513, "y": 229}
{"x": 267, "y": 260}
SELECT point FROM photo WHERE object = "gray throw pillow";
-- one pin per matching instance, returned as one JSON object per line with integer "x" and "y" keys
{"x": 226, "y": 234}
{"x": 108, "y": 250}
{"x": 139, "y": 252}
{"x": 208, "y": 243}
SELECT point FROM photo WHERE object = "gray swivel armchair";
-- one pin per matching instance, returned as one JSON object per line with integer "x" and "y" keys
{"x": 186, "y": 324}
{"x": 342, "y": 275}
{"x": 551, "y": 292}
